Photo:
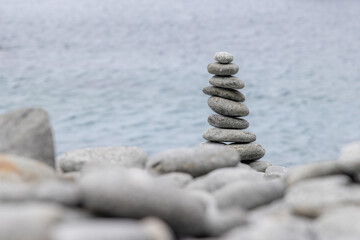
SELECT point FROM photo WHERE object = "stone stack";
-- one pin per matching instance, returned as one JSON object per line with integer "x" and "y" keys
{"x": 226, "y": 101}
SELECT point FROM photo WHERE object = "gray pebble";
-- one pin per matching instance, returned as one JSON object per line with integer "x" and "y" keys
{"x": 27, "y": 132}
{"x": 122, "y": 156}
{"x": 249, "y": 152}
{"x": 212, "y": 143}
{"x": 260, "y": 166}
{"x": 223, "y": 69}
{"x": 223, "y": 57}
{"x": 276, "y": 172}
{"x": 221, "y": 121}
{"x": 227, "y": 107}
{"x": 221, "y": 177}
{"x": 133, "y": 193}
{"x": 196, "y": 161}
{"x": 228, "y": 135}
{"x": 248, "y": 195}
{"x": 230, "y": 94}
{"x": 112, "y": 229}
{"x": 312, "y": 197}
{"x": 231, "y": 82}
{"x": 175, "y": 179}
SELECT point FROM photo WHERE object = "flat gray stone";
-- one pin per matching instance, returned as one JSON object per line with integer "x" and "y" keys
{"x": 212, "y": 143}
{"x": 248, "y": 195}
{"x": 21, "y": 169}
{"x": 260, "y": 166}
{"x": 227, "y": 107}
{"x": 221, "y": 121}
{"x": 112, "y": 229}
{"x": 221, "y": 177}
{"x": 30, "y": 221}
{"x": 231, "y": 82}
{"x": 223, "y": 69}
{"x": 223, "y": 57}
{"x": 312, "y": 197}
{"x": 339, "y": 223}
{"x": 228, "y": 135}
{"x": 276, "y": 172}
{"x": 122, "y": 156}
{"x": 27, "y": 132}
{"x": 196, "y": 161}
{"x": 249, "y": 152}
{"x": 230, "y": 94}
{"x": 175, "y": 179}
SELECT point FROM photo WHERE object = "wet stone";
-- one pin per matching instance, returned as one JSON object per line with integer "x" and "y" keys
{"x": 228, "y": 135}
{"x": 223, "y": 69}
{"x": 227, "y": 107}
{"x": 221, "y": 121}
{"x": 231, "y": 82}
{"x": 230, "y": 94}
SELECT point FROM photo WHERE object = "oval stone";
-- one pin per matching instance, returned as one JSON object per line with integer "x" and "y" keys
{"x": 227, "y": 107}
{"x": 223, "y": 69}
{"x": 221, "y": 121}
{"x": 223, "y": 57}
{"x": 228, "y": 135}
{"x": 231, "y": 94}
{"x": 227, "y": 82}
{"x": 249, "y": 152}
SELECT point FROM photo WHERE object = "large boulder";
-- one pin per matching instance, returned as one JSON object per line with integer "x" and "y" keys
{"x": 27, "y": 132}
{"x": 123, "y": 156}
{"x": 196, "y": 161}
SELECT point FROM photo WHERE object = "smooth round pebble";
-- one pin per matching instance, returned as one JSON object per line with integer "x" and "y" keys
{"x": 227, "y": 107}
{"x": 228, "y": 135}
{"x": 249, "y": 152}
{"x": 221, "y": 121}
{"x": 231, "y": 82}
{"x": 223, "y": 57}
{"x": 223, "y": 69}
{"x": 230, "y": 94}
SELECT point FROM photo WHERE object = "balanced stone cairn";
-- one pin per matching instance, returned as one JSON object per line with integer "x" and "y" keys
{"x": 226, "y": 101}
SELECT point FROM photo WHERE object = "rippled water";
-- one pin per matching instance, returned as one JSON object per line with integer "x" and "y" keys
{"x": 115, "y": 72}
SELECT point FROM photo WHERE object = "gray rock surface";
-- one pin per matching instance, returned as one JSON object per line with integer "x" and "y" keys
{"x": 27, "y": 132}
{"x": 260, "y": 166}
{"x": 196, "y": 161}
{"x": 111, "y": 229}
{"x": 210, "y": 143}
{"x": 221, "y": 121}
{"x": 176, "y": 179}
{"x": 30, "y": 221}
{"x": 223, "y": 57}
{"x": 350, "y": 152}
{"x": 132, "y": 193}
{"x": 276, "y": 172}
{"x": 221, "y": 177}
{"x": 21, "y": 169}
{"x": 230, "y": 94}
{"x": 231, "y": 82}
{"x": 122, "y": 156}
{"x": 338, "y": 224}
{"x": 313, "y": 197}
{"x": 228, "y": 135}
{"x": 248, "y": 195}
{"x": 249, "y": 152}
{"x": 274, "y": 228}
{"x": 227, "y": 107}
{"x": 220, "y": 69}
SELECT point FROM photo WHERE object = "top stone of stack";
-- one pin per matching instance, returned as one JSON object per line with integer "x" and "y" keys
{"x": 223, "y": 66}
{"x": 223, "y": 57}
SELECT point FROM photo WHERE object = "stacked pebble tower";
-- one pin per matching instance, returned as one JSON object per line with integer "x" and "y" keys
{"x": 226, "y": 101}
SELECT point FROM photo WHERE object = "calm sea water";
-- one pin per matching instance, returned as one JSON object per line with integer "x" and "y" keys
{"x": 119, "y": 73}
